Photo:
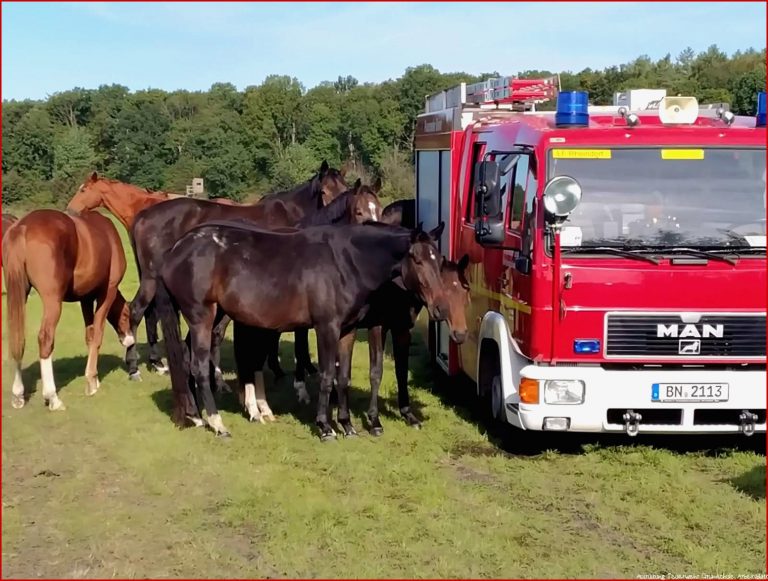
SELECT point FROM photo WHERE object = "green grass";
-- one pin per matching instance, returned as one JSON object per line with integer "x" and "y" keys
{"x": 109, "y": 488}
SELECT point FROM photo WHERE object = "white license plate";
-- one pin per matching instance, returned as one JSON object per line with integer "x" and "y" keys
{"x": 689, "y": 392}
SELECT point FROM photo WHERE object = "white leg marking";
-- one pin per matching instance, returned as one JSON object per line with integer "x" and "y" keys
{"x": 250, "y": 404}
{"x": 301, "y": 392}
{"x": 261, "y": 397}
{"x": 49, "y": 386}
{"x": 216, "y": 424}
{"x": 17, "y": 401}
{"x": 197, "y": 421}
{"x": 128, "y": 341}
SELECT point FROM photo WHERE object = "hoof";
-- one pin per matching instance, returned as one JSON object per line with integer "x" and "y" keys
{"x": 326, "y": 432}
{"x": 56, "y": 405}
{"x": 159, "y": 368}
{"x": 224, "y": 435}
{"x": 254, "y": 418}
{"x": 135, "y": 376}
{"x": 376, "y": 431}
{"x": 92, "y": 387}
{"x": 195, "y": 421}
{"x": 416, "y": 426}
{"x": 17, "y": 401}
{"x": 350, "y": 432}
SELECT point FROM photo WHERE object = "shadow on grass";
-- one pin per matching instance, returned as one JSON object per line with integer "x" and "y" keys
{"x": 66, "y": 370}
{"x": 282, "y": 396}
{"x": 751, "y": 483}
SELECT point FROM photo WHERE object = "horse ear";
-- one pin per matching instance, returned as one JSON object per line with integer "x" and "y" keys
{"x": 437, "y": 232}
{"x": 377, "y": 186}
{"x": 463, "y": 263}
{"x": 93, "y": 177}
{"x": 356, "y": 187}
{"x": 324, "y": 168}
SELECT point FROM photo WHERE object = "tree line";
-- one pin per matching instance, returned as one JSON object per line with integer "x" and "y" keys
{"x": 273, "y": 135}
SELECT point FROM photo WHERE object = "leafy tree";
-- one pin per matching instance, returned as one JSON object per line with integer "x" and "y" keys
{"x": 297, "y": 163}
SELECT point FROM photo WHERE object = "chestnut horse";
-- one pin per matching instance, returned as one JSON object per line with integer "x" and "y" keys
{"x": 66, "y": 259}
{"x": 157, "y": 228}
{"x": 8, "y": 221}
{"x": 319, "y": 277}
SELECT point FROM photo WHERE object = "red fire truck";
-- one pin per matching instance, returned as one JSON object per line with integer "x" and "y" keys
{"x": 617, "y": 258}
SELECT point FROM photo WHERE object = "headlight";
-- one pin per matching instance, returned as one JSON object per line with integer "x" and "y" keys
{"x": 564, "y": 391}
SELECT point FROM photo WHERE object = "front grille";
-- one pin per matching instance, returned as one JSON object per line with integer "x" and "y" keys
{"x": 639, "y": 335}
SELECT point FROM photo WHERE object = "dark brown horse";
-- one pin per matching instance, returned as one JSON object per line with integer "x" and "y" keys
{"x": 157, "y": 228}
{"x": 395, "y": 310}
{"x": 320, "y": 277}
{"x": 66, "y": 259}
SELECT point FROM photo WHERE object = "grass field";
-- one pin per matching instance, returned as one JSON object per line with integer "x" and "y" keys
{"x": 109, "y": 488}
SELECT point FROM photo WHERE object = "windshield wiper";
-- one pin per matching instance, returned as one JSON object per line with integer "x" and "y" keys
{"x": 611, "y": 250}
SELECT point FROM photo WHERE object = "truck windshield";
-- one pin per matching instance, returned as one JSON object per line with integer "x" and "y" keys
{"x": 636, "y": 198}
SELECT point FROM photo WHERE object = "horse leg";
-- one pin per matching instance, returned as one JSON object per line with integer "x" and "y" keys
{"x": 86, "y": 306}
{"x": 401, "y": 341}
{"x": 273, "y": 360}
{"x": 219, "y": 331}
{"x": 45, "y": 342}
{"x": 156, "y": 363}
{"x": 244, "y": 343}
{"x": 328, "y": 336}
{"x": 299, "y": 377}
{"x": 200, "y": 331}
{"x": 376, "y": 337}
{"x": 301, "y": 348}
{"x": 96, "y": 336}
{"x": 17, "y": 390}
{"x": 139, "y": 305}
{"x": 346, "y": 346}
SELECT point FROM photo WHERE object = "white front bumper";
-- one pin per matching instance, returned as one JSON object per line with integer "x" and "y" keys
{"x": 631, "y": 390}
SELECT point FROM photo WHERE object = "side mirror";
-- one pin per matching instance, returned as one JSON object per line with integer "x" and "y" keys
{"x": 489, "y": 216}
{"x": 562, "y": 195}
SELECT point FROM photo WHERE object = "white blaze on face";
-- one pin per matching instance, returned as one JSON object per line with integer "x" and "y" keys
{"x": 432, "y": 255}
{"x": 372, "y": 208}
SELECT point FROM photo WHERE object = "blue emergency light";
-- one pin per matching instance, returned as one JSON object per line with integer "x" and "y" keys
{"x": 760, "y": 117}
{"x": 572, "y": 109}
{"x": 586, "y": 346}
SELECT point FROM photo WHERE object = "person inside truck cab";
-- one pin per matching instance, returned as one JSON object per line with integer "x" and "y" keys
{"x": 657, "y": 219}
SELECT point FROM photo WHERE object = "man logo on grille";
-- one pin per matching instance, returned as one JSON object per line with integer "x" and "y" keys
{"x": 689, "y": 347}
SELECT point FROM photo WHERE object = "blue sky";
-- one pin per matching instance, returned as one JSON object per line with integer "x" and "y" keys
{"x": 49, "y": 47}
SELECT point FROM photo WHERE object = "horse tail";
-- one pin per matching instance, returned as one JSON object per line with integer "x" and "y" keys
{"x": 178, "y": 362}
{"x": 17, "y": 288}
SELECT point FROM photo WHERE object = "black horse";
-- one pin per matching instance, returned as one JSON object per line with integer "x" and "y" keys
{"x": 320, "y": 277}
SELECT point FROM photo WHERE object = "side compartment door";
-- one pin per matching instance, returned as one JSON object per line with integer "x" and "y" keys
{"x": 433, "y": 169}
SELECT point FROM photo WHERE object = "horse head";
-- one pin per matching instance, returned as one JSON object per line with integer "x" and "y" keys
{"x": 421, "y": 271}
{"x": 329, "y": 183}
{"x": 90, "y": 194}
{"x": 456, "y": 292}
{"x": 363, "y": 203}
